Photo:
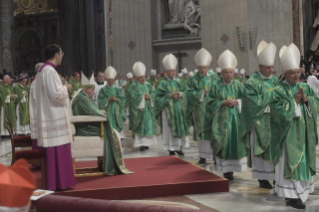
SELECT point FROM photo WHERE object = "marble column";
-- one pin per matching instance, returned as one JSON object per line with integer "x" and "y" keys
{"x": 7, "y": 36}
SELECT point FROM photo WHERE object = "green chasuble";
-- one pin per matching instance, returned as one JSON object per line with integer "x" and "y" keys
{"x": 184, "y": 80}
{"x": 299, "y": 133}
{"x": 175, "y": 108}
{"x": 255, "y": 100}
{"x": 194, "y": 90}
{"x": 115, "y": 110}
{"x": 83, "y": 106}
{"x": 152, "y": 82}
{"x": 224, "y": 121}
{"x": 127, "y": 87}
{"x": 23, "y": 106}
{"x": 9, "y": 108}
{"x": 142, "y": 121}
{"x": 75, "y": 86}
{"x": 242, "y": 79}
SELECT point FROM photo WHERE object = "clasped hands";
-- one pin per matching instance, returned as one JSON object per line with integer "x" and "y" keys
{"x": 112, "y": 99}
{"x": 176, "y": 95}
{"x": 147, "y": 96}
{"x": 230, "y": 103}
{"x": 300, "y": 95}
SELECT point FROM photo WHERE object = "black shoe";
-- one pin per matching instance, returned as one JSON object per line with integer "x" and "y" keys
{"x": 146, "y": 147}
{"x": 274, "y": 182}
{"x": 180, "y": 153}
{"x": 202, "y": 161}
{"x": 229, "y": 175}
{"x": 296, "y": 203}
{"x": 265, "y": 184}
{"x": 142, "y": 148}
{"x": 171, "y": 152}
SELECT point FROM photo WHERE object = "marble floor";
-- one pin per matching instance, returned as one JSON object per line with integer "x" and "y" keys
{"x": 244, "y": 194}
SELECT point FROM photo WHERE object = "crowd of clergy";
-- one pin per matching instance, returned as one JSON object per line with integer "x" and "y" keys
{"x": 237, "y": 121}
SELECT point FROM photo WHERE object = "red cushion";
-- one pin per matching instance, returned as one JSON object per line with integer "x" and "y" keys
{"x": 25, "y": 139}
{"x": 29, "y": 154}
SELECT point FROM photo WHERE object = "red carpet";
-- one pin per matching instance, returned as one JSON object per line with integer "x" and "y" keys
{"x": 153, "y": 177}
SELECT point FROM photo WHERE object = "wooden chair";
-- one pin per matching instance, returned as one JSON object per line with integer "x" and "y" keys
{"x": 31, "y": 156}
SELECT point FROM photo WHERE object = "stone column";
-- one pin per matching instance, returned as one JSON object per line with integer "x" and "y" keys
{"x": 7, "y": 36}
{"x": 295, "y": 22}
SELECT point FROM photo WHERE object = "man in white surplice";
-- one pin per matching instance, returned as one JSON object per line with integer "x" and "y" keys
{"x": 100, "y": 83}
{"x": 170, "y": 104}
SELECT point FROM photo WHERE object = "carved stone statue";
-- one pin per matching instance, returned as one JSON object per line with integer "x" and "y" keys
{"x": 176, "y": 11}
{"x": 191, "y": 15}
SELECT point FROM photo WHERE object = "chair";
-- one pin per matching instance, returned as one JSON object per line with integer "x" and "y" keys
{"x": 31, "y": 156}
{"x": 86, "y": 146}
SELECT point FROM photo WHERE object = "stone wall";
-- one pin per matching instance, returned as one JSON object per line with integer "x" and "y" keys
{"x": 273, "y": 19}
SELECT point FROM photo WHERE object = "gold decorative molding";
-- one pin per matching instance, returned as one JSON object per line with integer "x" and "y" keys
{"x": 34, "y": 6}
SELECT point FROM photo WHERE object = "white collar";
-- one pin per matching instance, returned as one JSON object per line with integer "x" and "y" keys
{"x": 262, "y": 76}
{"x": 169, "y": 78}
{"x": 229, "y": 83}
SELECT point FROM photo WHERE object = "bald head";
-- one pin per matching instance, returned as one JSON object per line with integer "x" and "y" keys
{"x": 7, "y": 80}
{"x": 37, "y": 67}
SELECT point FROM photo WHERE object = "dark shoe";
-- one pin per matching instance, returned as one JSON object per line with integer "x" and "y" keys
{"x": 171, "y": 152}
{"x": 265, "y": 184}
{"x": 274, "y": 182}
{"x": 142, "y": 148}
{"x": 180, "y": 153}
{"x": 202, "y": 161}
{"x": 229, "y": 175}
{"x": 146, "y": 147}
{"x": 296, "y": 203}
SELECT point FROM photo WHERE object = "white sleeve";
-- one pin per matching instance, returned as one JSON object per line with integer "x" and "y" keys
{"x": 297, "y": 110}
{"x": 54, "y": 88}
{"x": 267, "y": 110}
{"x": 239, "y": 105}
{"x": 7, "y": 99}
{"x": 202, "y": 98}
{"x": 142, "y": 103}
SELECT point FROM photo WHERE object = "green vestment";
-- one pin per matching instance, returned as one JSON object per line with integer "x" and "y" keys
{"x": 115, "y": 110}
{"x": 152, "y": 82}
{"x": 299, "y": 133}
{"x": 9, "y": 108}
{"x": 127, "y": 99}
{"x": 195, "y": 109}
{"x": 113, "y": 159}
{"x": 242, "y": 79}
{"x": 255, "y": 100}
{"x": 224, "y": 121}
{"x": 142, "y": 120}
{"x": 175, "y": 108}
{"x": 75, "y": 86}
{"x": 184, "y": 80}
{"x": 23, "y": 106}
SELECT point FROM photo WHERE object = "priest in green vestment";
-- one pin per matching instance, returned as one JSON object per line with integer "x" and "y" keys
{"x": 22, "y": 106}
{"x": 142, "y": 111}
{"x": 293, "y": 132}
{"x": 224, "y": 101}
{"x": 196, "y": 91}
{"x": 130, "y": 80}
{"x": 82, "y": 105}
{"x": 76, "y": 83}
{"x": 152, "y": 80}
{"x": 170, "y": 104}
{"x": 185, "y": 76}
{"x": 112, "y": 100}
{"x": 255, "y": 116}
{"x": 242, "y": 77}
{"x": 7, "y": 104}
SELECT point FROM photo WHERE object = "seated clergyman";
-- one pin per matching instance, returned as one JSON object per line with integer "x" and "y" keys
{"x": 82, "y": 105}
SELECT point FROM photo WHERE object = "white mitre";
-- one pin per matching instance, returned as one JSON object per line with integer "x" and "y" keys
{"x": 266, "y": 53}
{"x": 139, "y": 69}
{"x": 203, "y": 58}
{"x": 169, "y": 62}
{"x": 180, "y": 75}
{"x": 227, "y": 60}
{"x": 110, "y": 73}
{"x": 290, "y": 58}
{"x": 153, "y": 72}
{"x": 195, "y": 71}
{"x": 184, "y": 71}
{"x": 242, "y": 71}
{"x": 87, "y": 83}
{"x": 191, "y": 74}
{"x": 236, "y": 71}
{"x": 218, "y": 70}
{"x": 129, "y": 75}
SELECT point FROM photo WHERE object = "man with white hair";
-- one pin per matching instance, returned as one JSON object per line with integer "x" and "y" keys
{"x": 196, "y": 92}
{"x": 294, "y": 136}
{"x": 255, "y": 116}
{"x": 223, "y": 117}
{"x": 83, "y": 106}
{"x": 100, "y": 83}
{"x": 142, "y": 109}
{"x": 112, "y": 100}
{"x": 170, "y": 107}
{"x": 7, "y": 105}
{"x": 184, "y": 77}
{"x": 152, "y": 80}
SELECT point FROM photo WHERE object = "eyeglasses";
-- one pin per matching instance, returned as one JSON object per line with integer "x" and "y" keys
{"x": 62, "y": 54}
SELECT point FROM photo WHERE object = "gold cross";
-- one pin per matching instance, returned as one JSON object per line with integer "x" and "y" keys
{"x": 271, "y": 89}
{"x": 229, "y": 98}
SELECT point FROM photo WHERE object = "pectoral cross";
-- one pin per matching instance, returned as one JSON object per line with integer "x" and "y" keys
{"x": 179, "y": 56}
